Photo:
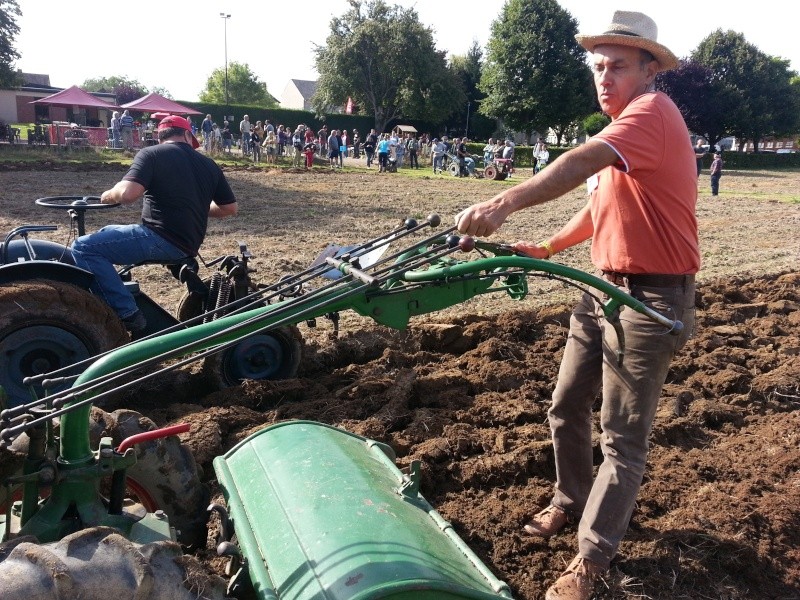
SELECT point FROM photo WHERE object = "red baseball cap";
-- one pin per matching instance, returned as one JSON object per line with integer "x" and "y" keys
{"x": 180, "y": 123}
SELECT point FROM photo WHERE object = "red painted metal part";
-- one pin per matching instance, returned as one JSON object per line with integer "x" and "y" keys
{"x": 152, "y": 435}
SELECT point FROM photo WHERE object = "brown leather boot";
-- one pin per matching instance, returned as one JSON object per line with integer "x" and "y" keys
{"x": 577, "y": 582}
{"x": 548, "y": 522}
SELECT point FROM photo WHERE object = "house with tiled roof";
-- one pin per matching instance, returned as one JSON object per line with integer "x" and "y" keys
{"x": 298, "y": 93}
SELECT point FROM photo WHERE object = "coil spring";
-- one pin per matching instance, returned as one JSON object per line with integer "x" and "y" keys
{"x": 219, "y": 294}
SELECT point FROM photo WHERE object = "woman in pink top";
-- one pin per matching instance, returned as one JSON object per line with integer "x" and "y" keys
{"x": 642, "y": 180}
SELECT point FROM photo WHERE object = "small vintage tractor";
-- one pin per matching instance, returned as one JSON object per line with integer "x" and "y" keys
{"x": 64, "y": 323}
{"x": 499, "y": 169}
{"x": 311, "y": 511}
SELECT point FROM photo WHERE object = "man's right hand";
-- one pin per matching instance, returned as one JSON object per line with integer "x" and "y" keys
{"x": 484, "y": 218}
{"x": 107, "y": 197}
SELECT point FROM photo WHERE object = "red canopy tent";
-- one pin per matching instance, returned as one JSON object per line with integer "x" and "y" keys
{"x": 75, "y": 96}
{"x": 153, "y": 102}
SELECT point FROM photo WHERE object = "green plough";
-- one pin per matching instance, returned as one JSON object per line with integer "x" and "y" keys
{"x": 312, "y": 512}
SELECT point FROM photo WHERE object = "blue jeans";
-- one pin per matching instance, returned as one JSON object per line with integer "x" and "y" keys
{"x": 120, "y": 245}
{"x": 715, "y": 184}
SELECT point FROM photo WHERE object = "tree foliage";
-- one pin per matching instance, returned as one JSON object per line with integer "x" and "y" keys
{"x": 708, "y": 105}
{"x": 162, "y": 92}
{"x": 595, "y": 123}
{"x": 759, "y": 97}
{"x": 536, "y": 76}
{"x": 243, "y": 87}
{"x": 466, "y": 119}
{"x": 126, "y": 90}
{"x": 9, "y": 11}
{"x": 383, "y": 58}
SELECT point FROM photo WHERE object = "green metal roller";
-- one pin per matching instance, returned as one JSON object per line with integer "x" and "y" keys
{"x": 331, "y": 517}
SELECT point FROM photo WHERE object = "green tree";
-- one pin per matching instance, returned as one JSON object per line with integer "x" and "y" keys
{"x": 9, "y": 11}
{"x": 162, "y": 92}
{"x": 595, "y": 123}
{"x": 243, "y": 87}
{"x": 536, "y": 76}
{"x": 385, "y": 60}
{"x": 126, "y": 90}
{"x": 466, "y": 119}
{"x": 767, "y": 100}
{"x": 709, "y": 106}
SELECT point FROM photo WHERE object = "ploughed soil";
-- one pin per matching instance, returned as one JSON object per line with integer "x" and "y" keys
{"x": 466, "y": 390}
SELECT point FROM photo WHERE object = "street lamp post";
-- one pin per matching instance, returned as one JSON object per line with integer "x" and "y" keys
{"x": 225, "y": 18}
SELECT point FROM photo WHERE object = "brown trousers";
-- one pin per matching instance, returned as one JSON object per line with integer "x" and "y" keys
{"x": 630, "y": 395}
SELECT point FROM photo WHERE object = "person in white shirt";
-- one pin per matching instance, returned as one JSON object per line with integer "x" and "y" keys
{"x": 541, "y": 156}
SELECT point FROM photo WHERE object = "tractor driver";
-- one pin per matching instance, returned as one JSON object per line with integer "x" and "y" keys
{"x": 181, "y": 189}
{"x": 640, "y": 218}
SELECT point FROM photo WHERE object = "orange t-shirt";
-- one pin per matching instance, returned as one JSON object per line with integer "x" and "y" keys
{"x": 643, "y": 207}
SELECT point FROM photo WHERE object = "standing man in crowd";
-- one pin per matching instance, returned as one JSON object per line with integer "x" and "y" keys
{"x": 461, "y": 155}
{"x": 322, "y": 137}
{"x": 356, "y": 144}
{"x": 641, "y": 221}
{"x": 126, "y": 129}
{"x": 244, "y": 130}
{"x": 699, "y": 154}
{"x": 438, "y": 149}
{"x": 413, "y": 151}
{"x": 384, "y": 147}
{"x": 208, "y": 129}
{"x": 716, "y": 173}
{"x": 227, "y": 137}
{"x": 181, "y": 189}
{"x": 541, "y": 156}
{"x": 370, "y": 145}
{"x": 115, "y": 129}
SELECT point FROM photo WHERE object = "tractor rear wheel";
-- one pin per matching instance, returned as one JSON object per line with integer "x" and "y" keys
{"x": 274, "y": 354}
{"x": 47, "y": 325}
{"x": 453, "y": 169}
{"x": 97, "y": 564}
{"x": 165, "y": 476}
{"x": 490, "y": 172}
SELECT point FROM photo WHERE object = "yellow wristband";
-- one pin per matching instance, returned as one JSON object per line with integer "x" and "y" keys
{"x": 547, "y": 246}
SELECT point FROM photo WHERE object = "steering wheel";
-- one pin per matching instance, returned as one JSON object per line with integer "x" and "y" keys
{"x": 73, "y": 202}
{"x": 77, "y": 207}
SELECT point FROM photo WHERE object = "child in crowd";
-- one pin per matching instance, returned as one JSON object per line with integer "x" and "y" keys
{"x": 309, "y": 149}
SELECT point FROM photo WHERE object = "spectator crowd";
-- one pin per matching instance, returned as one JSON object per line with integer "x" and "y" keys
{"x": 388, "y": 152}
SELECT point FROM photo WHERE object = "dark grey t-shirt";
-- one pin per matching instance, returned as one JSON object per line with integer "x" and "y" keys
{"x": 180, "y": 184}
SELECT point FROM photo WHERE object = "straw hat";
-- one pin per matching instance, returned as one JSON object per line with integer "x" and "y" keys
{"x": 632, "y": 29}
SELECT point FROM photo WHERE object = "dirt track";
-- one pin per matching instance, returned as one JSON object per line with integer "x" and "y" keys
{"x": 466, "y": 390}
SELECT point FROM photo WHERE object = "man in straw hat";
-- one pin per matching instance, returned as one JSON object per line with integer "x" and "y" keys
{"x": 181, "y": 189}
{"x": 640, "y": 218}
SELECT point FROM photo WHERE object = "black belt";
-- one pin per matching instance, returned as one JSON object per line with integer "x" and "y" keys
{"x": 648, "y": 279}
